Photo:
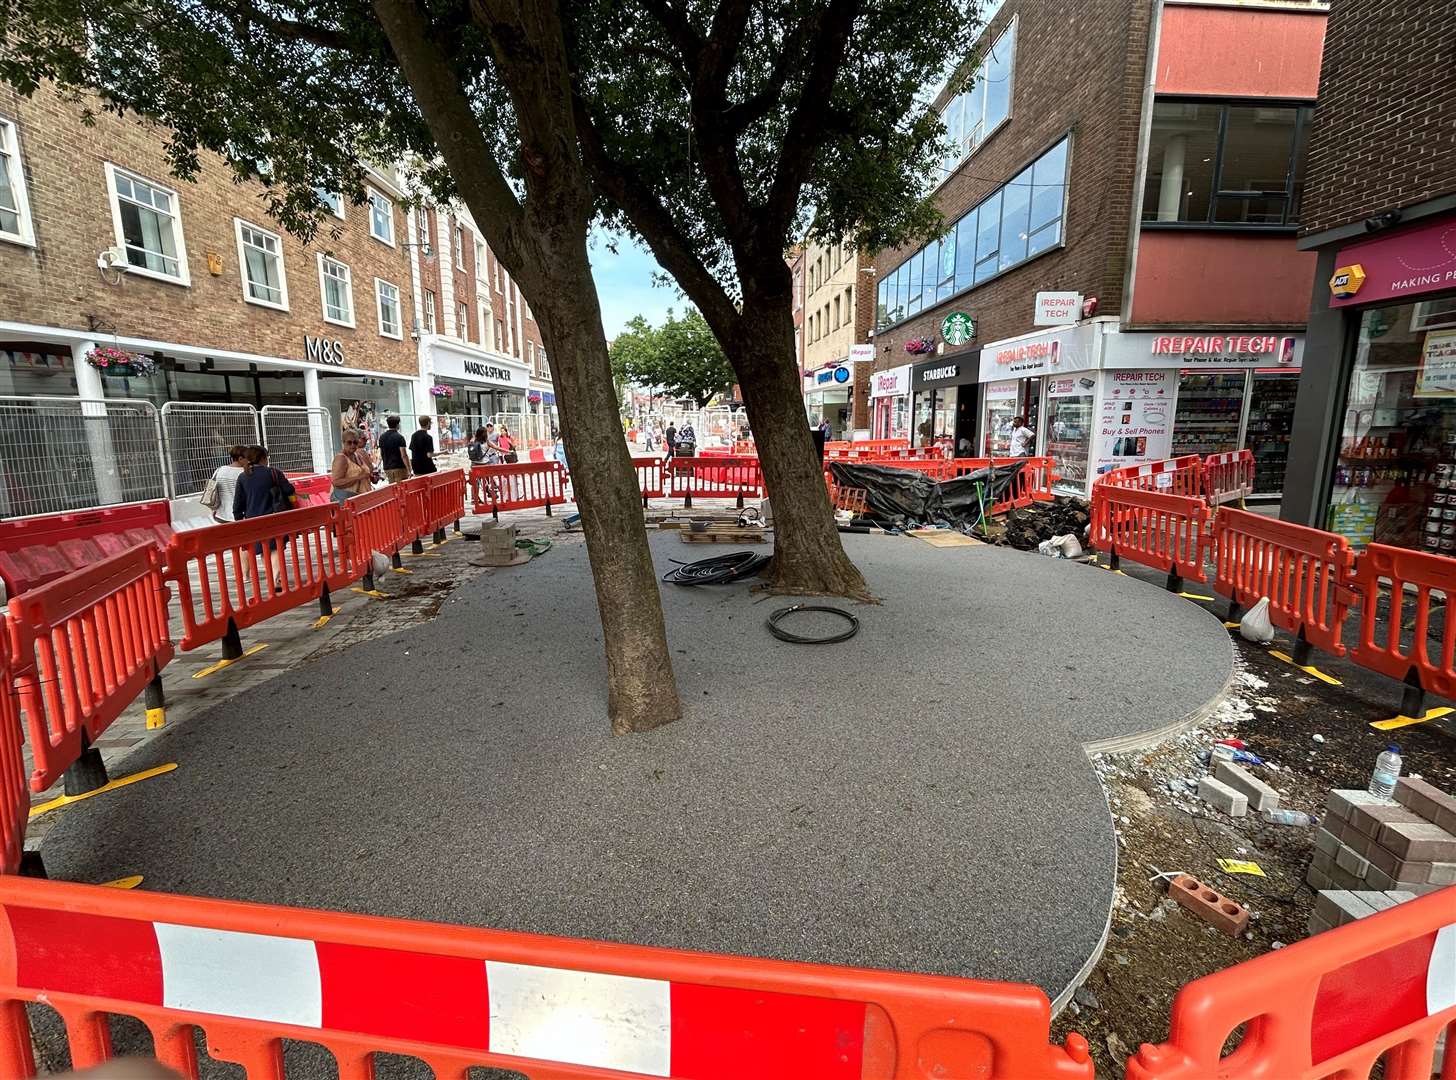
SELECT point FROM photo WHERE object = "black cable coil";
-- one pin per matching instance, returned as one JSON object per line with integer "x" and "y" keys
{"x": 783, "y": 635}
{"x": 719, "y": 570}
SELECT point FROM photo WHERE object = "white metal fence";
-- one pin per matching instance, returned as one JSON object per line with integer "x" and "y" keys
{"x": 298, "y": 438}
{"x": 198, "y": 436}
{"x": 59, "y": 454}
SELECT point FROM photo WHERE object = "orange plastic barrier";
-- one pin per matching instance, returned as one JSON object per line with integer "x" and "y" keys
{"x": 1159, "y": 530}
{"x": 1409, "y": 577}
{"x": 370, "y": 523}
{"x": 1326, "y": 1007}
{"x": 14, "y": 799}
{"x": 1032, "y": 481}
{"x": 1302, "y": 571}
{"x": 1175, "y": 476}
{"x": 233, "y": 568}
{"x": 1228, "y": 477}
{"x": 651, "y": 477}
{"x": 34, "y": 550}
{"x": 444, "y": 500}
{"x": 314, "y": 489}
{"x": 517, "y": 487}
{"x": 83, "y": 647}
{"x": 457, "y": 997}
{"x": 414, "y": 497}
{"x": 719, "y": 478}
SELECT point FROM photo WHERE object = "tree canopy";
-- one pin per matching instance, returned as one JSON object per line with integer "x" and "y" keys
{"x": 681, "y": 356}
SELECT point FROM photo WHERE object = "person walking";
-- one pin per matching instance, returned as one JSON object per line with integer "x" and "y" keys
{"x": 670, "y": 443}
{"x": 1022, "y": 437}
{"x": 217, "y": 493}
{"x": 391, "y": 453}
{"x": 479, "y": 451}
{"x": 352, "y": 472}
{"x": 262, "y": 490}
{"x": 422, "y": 449}
{"x": 507, "y": 446}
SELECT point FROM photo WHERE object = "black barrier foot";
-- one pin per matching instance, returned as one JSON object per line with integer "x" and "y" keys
{"x": 369, "y": 580}
{"x": 86, "y": 773}
{"x": 32, "y": 865}
{"x": 326, "y": 603}
{"x": 1300, "y": 658}
{"x": 1413, "y": 701}
{"x": 156, "y": 703}
{"x": 1300, "y": 655}
{"x": 1175, "y": 582}
{"x": 457, "y": 525}
{"x": 396, "y": 562}
{"x": 417, "y": 548}
{"x": 548, "y": 507}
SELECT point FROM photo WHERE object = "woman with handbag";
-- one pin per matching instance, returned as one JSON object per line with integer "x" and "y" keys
{"x": 508, "y": 446}
{"x": 217, "y": 493}
{"x": 352, "y": 472}
{"x": 260, "y": 491}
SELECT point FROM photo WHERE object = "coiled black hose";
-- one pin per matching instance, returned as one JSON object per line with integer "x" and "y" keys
{"x": 719, "y": 570}
{"x": 783, "y": 635}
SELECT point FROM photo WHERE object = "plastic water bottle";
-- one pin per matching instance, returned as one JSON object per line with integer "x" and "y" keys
{"x": 1387, "y": 772}
{"x": 1288, "y": 817}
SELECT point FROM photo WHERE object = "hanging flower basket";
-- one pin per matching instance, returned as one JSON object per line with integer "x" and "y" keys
{"x": 920, "y": 346}
{"x": 120, "y": 364}
{"x": 534, "y": 397}
{"x": 440, "y": 390}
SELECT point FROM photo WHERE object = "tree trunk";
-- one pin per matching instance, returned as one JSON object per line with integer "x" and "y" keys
{"x": 808, "y": 556}
{"x": 641, "y": 691}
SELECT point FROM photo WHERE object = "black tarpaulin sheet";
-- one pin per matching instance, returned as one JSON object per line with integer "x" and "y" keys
{"x": 905, "y": 494}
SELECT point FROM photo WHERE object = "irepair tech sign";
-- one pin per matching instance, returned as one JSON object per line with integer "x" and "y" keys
{"x": 1410, "y": 262}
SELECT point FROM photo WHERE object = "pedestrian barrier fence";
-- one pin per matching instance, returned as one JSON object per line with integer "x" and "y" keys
{"x": 35, "y": 550}
{"x": 444, "y": 500}
{"x": 1304, "y": 572}
{"x": 1228, "y": 477}
{"x": 457, "y": 998}
{"x": 1158, "y": 530}
{"x": 237, "y": 582}
{"x": 59, "y": 454}
{"x": 1411, "y": 583}
{"x": 1030, "y": 482}
{"x": 298, "y": 438}
{"x": 370, "y": 523}
{"x": 14, "y": 799}
{"x": 414, "y": 496}
{"x": 198, "y": 436}
{"x": 716, "y": 477}
{"x": 1331, "y": 1006}
{"x": 313, "y": 489}
{"x": 651, "y": 479}
{"x": 517, "y": 487}
{"x": 83, "y": 647}
{"x": 1174, "y": 476}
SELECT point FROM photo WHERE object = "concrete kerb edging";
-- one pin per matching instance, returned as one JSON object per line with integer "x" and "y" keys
{"x": 1124, "y": 744}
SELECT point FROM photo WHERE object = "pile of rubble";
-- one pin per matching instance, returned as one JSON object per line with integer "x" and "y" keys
{"x": 1025, "y": 529}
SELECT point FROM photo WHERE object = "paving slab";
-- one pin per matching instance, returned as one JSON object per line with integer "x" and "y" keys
{"x": 916, "y": 798}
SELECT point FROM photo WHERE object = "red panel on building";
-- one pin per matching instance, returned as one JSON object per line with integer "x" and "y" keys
{"x": 1228, "y": 52}
{"x": 1220, "y": 279}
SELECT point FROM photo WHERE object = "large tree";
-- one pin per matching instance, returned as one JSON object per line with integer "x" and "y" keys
{"x": 720, "y": 131}
{"x": 682, "y": 356}
{"x": 481, "y": 94}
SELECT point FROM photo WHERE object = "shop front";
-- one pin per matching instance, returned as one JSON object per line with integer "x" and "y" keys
{"x": 1386, "y": 451}
{"x": 829, "y": 395}
{"x": 1029, "y": 376}
{"x": 890, "y": 403}
{"x": 481, "y": 385}
{"x": 943, "y": 409}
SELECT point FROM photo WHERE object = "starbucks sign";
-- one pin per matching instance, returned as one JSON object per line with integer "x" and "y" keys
{"x": 957, "y": 328}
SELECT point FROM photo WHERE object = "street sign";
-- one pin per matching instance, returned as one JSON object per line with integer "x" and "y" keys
{"x": 1057, "y": 308}
{"x": 957, "y": 328}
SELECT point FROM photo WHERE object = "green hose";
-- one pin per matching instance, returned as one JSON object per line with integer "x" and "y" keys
{"x": 535, "y": 547}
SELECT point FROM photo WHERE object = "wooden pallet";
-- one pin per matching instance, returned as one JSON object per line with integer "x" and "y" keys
{"x": 722, "y": 535}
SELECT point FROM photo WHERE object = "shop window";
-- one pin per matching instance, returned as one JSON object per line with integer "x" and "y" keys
{"x": 1434, "y": 315}
{"x": 428, "y": 312}
{"x": 148, "y": 226}
{"x": 973, "y": 115}
{"x": 965, "y": 253}
{"x": 882, "y": 293}
{"x": 386, "y": 297}
{"x": 1229, "y": 165}
{"x": 260, "y": 257}
{"x": 337, "y": 289}
{"x": 381, "y": 218}
{"x": 988, "y": 237}
{"x": 15, "y": 223}
{"x": 332, "y": 200}
{"x": 912, "y": 304}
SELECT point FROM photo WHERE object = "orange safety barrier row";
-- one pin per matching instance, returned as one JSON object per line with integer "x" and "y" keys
{"x": 1302, "y": 571}
{"x": 444, "y": 500}
{"x": 719, "y": 477}
{"x": 1328, "y": 1007}
{"x": 517, "y": 487}
{"x": 14, "y": 799}
{"x": 1228, "y": 477}
{"x": 236, "y": 584}
{"x": 1032, "y": 481}
{"x": 43, "y": 547}
{"x": 1175, "y": 476}
{"x": 82, "y": 648}
{"x": 1408, "y": 578}
{"x": 457, "y": 998}
{"x": 1156, "y": 529}
{"x": 370, "y": 523}
{"x": 313, "y": 489}
{"x": 651, "y": 477}
{"x": 413, "y": 497}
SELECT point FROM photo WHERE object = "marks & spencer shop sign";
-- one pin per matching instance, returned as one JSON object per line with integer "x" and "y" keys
{"x": 323, "y": 351}
{"x": 456, "y": 364}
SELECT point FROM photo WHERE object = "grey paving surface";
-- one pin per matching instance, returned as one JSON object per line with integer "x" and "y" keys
{"x": 915, "y": 798}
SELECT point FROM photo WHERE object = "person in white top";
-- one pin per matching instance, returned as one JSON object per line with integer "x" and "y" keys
{"x": 224, "y": 480}
{"x": 1022, "y": 437}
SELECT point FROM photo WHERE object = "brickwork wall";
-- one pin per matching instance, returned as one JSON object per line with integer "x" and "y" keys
{"x": 427, "y": 231}
{"x": 57, "y": 283}
{"x": 1079, "y": 68}
{"x": 1384, "y": 135}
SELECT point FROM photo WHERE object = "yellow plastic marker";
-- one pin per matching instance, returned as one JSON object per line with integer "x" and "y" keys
{"x": 212, "y": 669}
{"x": 425, "y": 555}
{"x": 1194, "y": 596}
{"x": 1231, "y": 625}
{"x": 400, "y": 570}
{"x": 130, "y": 882}
{"x": 66, "y": 800}
{"x": 1308, "y": 669}
{"x": 1406, "y": 721}
{"x": 1237, "y": 866}
{"x": 322, "y": 621}
{"x": 369, "y": 592}
{"x": 156, "y": 718}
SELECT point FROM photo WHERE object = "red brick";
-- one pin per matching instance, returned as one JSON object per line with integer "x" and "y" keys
{"x": 1209, "y": 905}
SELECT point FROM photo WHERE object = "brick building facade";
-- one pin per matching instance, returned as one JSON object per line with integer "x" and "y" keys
{"x": 837, "y": 315}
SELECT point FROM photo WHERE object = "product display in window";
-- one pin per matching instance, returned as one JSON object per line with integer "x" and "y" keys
{"x": 1271, "y": 419}
{"x": 1069, "y": 436}
{"x": 1210, "y": 405}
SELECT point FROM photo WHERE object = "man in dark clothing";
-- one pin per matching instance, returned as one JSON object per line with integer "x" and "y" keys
{"x": 391, "y": 453}
{"x": 671, "y": 439}
{"x": 422, "y": 449}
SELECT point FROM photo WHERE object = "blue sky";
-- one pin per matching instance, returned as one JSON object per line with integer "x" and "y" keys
{"x": 625, "y": 287}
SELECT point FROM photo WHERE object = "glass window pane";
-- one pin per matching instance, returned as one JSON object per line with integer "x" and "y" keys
{"x": 912, "y": 304}
{"x": 1048, "y": 178}
{"x": 1015, "y": 205}
{"x": 1250, "y": 210}
{"x": 1181, "y": 150}
{"x": 1051, "y": 167}
{"x": 990, "y": 228}
{"x": 902, "y": 290}
{"x": 881, "y": 292}
{"x": 965, "y": 267}
{"x": 973, "y": 122}
{"x": 985, "y": 269}
{"x": 1256, "y": 148}
{"x": 1044, "y": 238}
{"x": 952, "y": 117}
{"x": 931, "y": 272}
{"x": 945, "y": 283}
{"x": 998, "y": 79}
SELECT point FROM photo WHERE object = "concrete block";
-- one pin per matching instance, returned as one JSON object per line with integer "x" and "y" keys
{"x": 1371, "y": 819}
{"x": 1357, "y": 841}
{"x": 1342, "y": 801}
{"x": 1222, "y": 797}
{"x": 1326, "y": 841}
{"x": 1340, "y": 906}
{"x": 1209, "y": 905}
{"x": 1379, "y": 879}
{"x": 1399, "y": 896}
{"x": 1426, "y": 799}
{"x": 1317, "y": 925}
{"x": 1317, "y": 879}
{"x": 1259, "y": 794}
{"x": 1401, "y": 869}
{"x": 1340, "y": 878}
{"x": 1347, "y": 859}
{"x": 1442, "y": 873}
{"x": 1378, "y": 900}
{"x": 1420, "y": 841}
{"x": 1323, "y": 860}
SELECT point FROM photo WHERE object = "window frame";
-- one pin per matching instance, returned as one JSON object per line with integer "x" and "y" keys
{"x": 1292, "y": 174}
{"x": 429, "y": 318}
{"x": 324, "y": 196}
{"x": 373, "y": 194}
{"x": 238, "y": 225}
{"x": 324, "y": 296}
{"x": 398, "y": 308}
{"x": 25, "y": 234}
{"x": 462, "y": 320}
{"x": 950, "y": 166}
{"x": 183, "y": 276}
{"x": 460, "y": 246}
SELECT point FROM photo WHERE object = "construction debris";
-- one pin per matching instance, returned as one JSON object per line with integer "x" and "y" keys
{"x": 1028, "y": 527}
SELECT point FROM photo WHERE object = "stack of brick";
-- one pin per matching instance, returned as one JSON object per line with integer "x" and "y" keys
{"x": 1368, "y": 843}
{"x": 498, "y": 546}
{"x": 1236, "y": 791}
{"x": 1336, "y": 907}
